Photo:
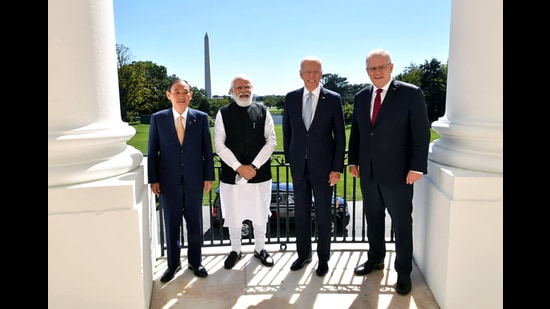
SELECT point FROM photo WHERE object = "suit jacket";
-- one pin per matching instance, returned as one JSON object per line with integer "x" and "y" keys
{"x": 168, "y": 161}
{"x": 325, "y": 142}
{"x": 399, "y": 139}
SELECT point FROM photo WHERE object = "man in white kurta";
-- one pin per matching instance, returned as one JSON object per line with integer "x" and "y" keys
{"x": 244, "y": 138}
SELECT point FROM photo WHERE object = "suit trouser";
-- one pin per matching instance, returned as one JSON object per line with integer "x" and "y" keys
{"x": 303, "y": 190}
{"x": 397, "y": 198}
{"x": 176, "y": 207}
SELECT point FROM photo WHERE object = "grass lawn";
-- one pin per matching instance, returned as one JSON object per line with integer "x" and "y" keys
{"x": 139, "y": 141}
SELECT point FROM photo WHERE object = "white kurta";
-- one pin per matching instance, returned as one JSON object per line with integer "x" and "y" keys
{"x": 248, "y": 200}
{"x": 245, "y": 201}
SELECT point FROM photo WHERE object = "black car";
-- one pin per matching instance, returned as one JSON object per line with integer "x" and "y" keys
{"x": 282, "y": 209}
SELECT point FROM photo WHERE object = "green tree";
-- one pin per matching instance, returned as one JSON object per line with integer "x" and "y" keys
{"x": 335, "y": 82}
{"x": 351, "y": 91}
{"x": 132, "y": 91}
{"x": 215, "y": 104}
{"x": 200, "y": 100}
{"x": 348, "y": 112}
{"x": 348, "y": 97}
{"x": 432, "y": 78}
{"x": 412, "y": 74}
{"x": 346, "y": 90}
{"x": 158, "y": 82}
{"x": 274, "y": 101}
{"x": 433, "y": 82}
{"x": 123, "y": 55}
{"x": 142, "y": 88}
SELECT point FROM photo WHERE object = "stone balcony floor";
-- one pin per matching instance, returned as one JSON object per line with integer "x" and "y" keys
{"x": 251, "y": 285}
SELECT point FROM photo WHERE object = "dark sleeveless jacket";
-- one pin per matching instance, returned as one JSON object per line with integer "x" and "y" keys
{"x": 244, "y": 130}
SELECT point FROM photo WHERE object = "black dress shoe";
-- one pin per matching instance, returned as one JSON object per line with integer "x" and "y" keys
{"x": 404, "y": 284}
{"x": 322, "y": 269}
{"x": 367, "y": 268}
{"x": 299, "y": 263}
{"x": 169, "y": 274}
{"x": 199, "y": 271}
{"x": 232, "y": 259}
{"x": 264, "y": 257}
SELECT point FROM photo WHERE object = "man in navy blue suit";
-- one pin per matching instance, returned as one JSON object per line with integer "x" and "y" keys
{"x": 388, "y": 150}
{"x": 314, "y": 145}
{"x": 180, "y": 169}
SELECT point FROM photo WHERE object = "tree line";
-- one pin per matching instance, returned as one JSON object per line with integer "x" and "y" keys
{"x": 142, "y": 86}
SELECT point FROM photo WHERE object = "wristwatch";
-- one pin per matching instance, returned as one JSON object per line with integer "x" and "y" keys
{"x": 254, "y": 166}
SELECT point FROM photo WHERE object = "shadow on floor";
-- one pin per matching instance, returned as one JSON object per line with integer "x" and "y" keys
{"x": 251, "y": 285}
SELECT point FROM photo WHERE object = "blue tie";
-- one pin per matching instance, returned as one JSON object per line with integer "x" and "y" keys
{"x": 307, "y": 110}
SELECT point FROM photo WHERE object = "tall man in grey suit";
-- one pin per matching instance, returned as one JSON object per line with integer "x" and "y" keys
{"x": 314, "y": 147}
{"x": 389, "y": 152}
{"x": 179, "y": 172}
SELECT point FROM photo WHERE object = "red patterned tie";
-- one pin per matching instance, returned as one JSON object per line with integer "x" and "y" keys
{"x": 377, "y": 101}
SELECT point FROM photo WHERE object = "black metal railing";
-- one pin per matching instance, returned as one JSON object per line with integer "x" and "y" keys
{"x": 349, "y": 225}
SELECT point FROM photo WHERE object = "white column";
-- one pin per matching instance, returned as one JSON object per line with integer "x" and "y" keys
{"x": 471, "y": 131}
{"x": 100, "y": 210}
{"x": 86, "y": 136}
{"x": 458, "y": 205}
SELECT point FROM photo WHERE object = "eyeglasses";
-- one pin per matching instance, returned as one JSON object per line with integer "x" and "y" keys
{"x": 240, "y": 88}
{"x": 378, "y": 68}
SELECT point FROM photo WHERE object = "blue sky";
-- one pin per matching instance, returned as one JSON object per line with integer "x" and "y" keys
{"x": 267, "y": 39}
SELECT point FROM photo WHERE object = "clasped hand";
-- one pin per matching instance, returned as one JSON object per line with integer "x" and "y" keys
{"x": 247, "y": 171}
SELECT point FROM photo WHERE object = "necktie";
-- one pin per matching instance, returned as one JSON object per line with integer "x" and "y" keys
{"x": 376, "y": 108}
{"x": 307, "y": 110}
{"x": 180, "y": 129}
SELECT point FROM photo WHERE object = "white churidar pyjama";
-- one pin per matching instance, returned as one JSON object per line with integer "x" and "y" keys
{"x": 249, "y": 201}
